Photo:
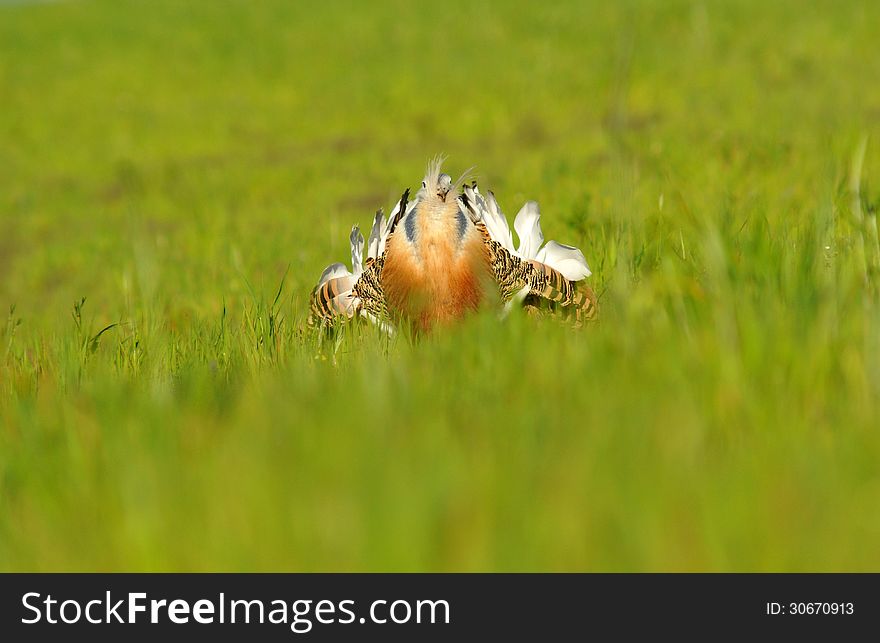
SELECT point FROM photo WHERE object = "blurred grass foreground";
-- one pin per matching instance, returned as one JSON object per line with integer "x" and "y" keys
{"x": 174, "y": 177}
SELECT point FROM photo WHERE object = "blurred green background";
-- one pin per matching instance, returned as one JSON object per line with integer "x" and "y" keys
{"x": 172, "y": 161}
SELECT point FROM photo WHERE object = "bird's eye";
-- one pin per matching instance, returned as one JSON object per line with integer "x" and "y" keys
{"x": 424, "y": 185}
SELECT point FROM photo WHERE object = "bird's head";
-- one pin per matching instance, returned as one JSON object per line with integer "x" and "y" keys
{"x": 444, "y": 184}
{"x": 440, "y": 188}
{"x": 436, "y": 184}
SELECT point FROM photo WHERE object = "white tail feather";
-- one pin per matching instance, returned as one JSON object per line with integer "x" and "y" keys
{"x": 376, "y": 236}
{"x": 357, "y": 251}
{"x": 568, "y": 260}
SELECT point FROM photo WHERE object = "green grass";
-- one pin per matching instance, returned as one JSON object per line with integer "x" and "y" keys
{"x": 170, "y": 162}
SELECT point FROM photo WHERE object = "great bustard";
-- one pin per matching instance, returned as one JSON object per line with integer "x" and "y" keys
{"x": 446, "y": 253}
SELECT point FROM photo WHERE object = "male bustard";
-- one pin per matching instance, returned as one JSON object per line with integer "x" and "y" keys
{"x": 446, "y": 253}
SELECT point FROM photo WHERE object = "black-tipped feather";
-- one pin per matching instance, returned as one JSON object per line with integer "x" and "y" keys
{"x": 401, "y": 211}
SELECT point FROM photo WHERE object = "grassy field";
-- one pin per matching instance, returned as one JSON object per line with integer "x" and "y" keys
{"x": 171, "y": 162}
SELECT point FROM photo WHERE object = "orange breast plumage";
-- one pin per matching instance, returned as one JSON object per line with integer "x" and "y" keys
{"x": 436, "y": 266}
